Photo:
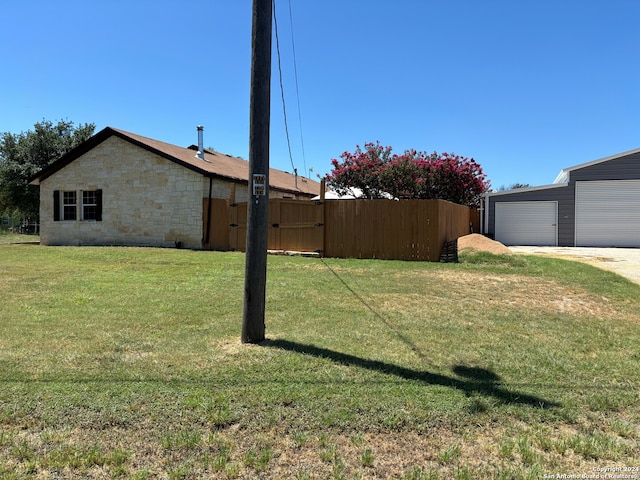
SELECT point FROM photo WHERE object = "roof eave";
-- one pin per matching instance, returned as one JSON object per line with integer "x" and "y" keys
{"x": 528, "y": 189}
{"x": 107, "y": 132}
{"x": 93, "y": 142}
{"x": 600, "y": 160}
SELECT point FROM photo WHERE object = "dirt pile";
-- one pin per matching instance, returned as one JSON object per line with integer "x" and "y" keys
{"x": 480, "y": 243}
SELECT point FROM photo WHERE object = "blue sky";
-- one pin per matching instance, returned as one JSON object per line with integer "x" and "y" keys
{"x": 524, "y": 87}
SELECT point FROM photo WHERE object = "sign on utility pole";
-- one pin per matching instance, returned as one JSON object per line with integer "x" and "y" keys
{"x": 255, "y": 278}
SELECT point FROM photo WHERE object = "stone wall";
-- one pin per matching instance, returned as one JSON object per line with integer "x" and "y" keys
{"x": 147, "y": 200}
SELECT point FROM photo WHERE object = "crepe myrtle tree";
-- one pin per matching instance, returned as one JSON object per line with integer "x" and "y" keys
{"x": 379, "y": 173}
{"x": 360, "y": 170}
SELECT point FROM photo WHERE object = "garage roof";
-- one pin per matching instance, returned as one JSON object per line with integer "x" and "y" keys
{"x": 563, "y": 176}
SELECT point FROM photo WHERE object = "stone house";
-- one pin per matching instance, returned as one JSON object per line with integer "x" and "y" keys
{"x": 119, "y": 188}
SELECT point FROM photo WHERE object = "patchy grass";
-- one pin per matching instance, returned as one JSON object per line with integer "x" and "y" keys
{"x": 7, "y": 236}
{"x": 126, "y": 362}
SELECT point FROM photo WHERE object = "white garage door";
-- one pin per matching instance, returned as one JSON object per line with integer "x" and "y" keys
{"x": 527, "y": 223}
{"x": 608, "y": 213}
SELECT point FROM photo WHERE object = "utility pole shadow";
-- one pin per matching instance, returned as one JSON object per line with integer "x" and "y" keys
{"x": 475, "y": 380}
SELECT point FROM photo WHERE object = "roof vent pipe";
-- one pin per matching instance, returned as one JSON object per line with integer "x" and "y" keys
{"x": 200, "y": 153}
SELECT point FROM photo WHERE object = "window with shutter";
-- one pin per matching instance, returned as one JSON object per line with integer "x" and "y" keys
{"x": 69, "y": 206}
{"x": 92, "y": 205}
{"x": 89, "y": 204}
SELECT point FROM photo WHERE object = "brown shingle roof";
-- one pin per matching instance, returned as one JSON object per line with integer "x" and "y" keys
{"x": 215, "y": 164}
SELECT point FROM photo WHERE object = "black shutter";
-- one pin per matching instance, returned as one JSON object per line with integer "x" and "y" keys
{"x": 99, "y": 205}
{"x": 56, "y": 205}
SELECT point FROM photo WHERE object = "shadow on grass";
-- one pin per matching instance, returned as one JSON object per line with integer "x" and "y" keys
{"x": 475, "y": 380}
{"x": 412, "y": 346}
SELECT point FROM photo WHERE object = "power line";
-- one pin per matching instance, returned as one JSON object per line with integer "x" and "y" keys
{"x": 295, "y": 71}
{"x": 284, "y": 108}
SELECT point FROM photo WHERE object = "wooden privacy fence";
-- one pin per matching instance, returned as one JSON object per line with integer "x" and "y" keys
{"x": 385, "y": 229}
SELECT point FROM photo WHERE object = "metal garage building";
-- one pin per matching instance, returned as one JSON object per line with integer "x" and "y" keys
{"x": 595, "y": 204}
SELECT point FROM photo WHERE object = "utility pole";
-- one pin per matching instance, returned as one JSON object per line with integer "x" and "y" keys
{"x": 255, "y": 278}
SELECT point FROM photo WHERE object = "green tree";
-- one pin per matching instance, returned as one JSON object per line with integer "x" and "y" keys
{"x": 24, "y": 154}
{"x": 513, "y": 186}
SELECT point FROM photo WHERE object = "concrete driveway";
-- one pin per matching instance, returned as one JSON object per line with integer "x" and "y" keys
{"x": 623, "y": 261}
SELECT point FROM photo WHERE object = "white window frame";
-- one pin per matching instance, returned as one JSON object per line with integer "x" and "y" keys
{"x": 83, "y": 205}
{"x": 63, "y": 204}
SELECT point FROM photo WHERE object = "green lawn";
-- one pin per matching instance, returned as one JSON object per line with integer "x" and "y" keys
{"x": 9, "y": 237}
{"x": 126, "y": 363}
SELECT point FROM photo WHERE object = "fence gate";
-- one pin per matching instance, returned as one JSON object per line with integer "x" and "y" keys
{"x": 238, "y": 226}
{"x": 294, "y": 225}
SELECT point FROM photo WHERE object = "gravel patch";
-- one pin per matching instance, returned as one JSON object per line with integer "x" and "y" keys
{"x": 623, "y": 261}
{"x": 480, "y": 243}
